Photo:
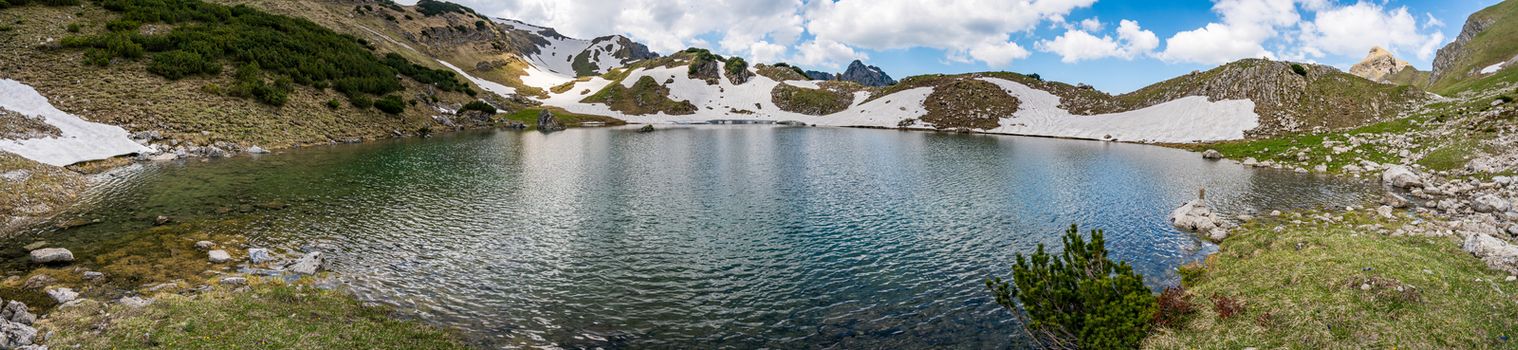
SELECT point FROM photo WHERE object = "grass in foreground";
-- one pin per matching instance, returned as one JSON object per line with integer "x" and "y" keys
{"x": 1278, "y": 149}
{"x": 1335, "y": 286}
{"x": 266, "y": 316}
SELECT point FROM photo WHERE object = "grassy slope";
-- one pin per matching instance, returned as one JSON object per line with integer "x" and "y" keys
{"x": 1325, "y": 98}
{"x": 125, "y": 94}
{"x": 267, "y": 316}
{"x": 821, "y": 101}
{"x": 1302, "y": 288}
{"x": 1496, "y": 44}
{"x": 529, "y": 117}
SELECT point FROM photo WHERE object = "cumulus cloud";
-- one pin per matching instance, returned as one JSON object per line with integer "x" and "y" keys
{"x": 1077, "y": 45}
{"x": 1247, "y": 26}
{"x": 1354, "y": 29}
{"x": 826, "y": 53}
{"x": 956, "y": 26}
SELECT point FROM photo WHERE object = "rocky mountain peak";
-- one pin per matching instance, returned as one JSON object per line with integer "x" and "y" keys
{"x": 866, "y": 75}
{"x": 1378, "y": 64}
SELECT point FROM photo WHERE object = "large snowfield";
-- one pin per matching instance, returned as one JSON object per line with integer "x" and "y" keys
{"x": 80, "y": 140}
{"x": 1186, "y": 120}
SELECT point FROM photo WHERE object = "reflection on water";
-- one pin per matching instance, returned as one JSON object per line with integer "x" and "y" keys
{"x": 746, "y": 236}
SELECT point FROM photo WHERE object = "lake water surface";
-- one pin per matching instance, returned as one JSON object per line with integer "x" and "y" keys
{"x": 703, "y": 237}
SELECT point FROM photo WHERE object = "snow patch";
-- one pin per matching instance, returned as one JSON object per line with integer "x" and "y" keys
{"x": 79, "y": 141}
{"x": 1493, "y": 68}
{"x": 803, "y": 84}
{"x": 1184, "y": 120}
{"x": 497, "y": 88}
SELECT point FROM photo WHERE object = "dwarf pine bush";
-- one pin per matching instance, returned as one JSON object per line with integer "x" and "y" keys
{"x": 1079, "y": 298}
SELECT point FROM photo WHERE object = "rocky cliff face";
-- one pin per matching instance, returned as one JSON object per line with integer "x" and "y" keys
{"x": 1450, "y": 55}
{"x": 815, "y": 75}
{"x": 1378, "y": 64}
{"x": 866, "y": 75}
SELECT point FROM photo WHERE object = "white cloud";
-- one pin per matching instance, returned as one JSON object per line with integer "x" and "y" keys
{"x": 1354, "y": 29}
{"x": 960, "y": 27}
{"x": 1077, "y": 45}
{"x": 1247, "y": 26}
{"x": 826, "y": 54}
{"x": 1091, "y": 24}
{"x": 998, "y": 54}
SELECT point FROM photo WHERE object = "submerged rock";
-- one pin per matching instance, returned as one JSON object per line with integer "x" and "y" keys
{"x": 51, "y": 255}
{"x": 646, "y": 128}
{"x": 259, "y": 255}
{"x": 308, "y": 264}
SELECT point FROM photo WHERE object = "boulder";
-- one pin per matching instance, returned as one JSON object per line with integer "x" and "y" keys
{"x": 51, "y": 255}
{"x": 1394, "y": 200}
{"x": 63, "y": 295}
{"x": 259, "y": 255}
{"x": 1195, "y": 216}
{"x": 14, "y": 335}
{"x": 1212, "y": 154}
{"x": 16, "y": 311}
{"x": 234, "y": 281}
{"x": 93, "y": 275}
{"x": 547, "y": 122}
{"x": 1250, "y": 162}
{"x": 257, "y": 150}
{"x": 219, "y": 256}
{"x": 135, "y": 302}
{"x": 204, "y": 245}
{"x": 1495, "y": 252}
{"x": 1401, "y": 177}
{"x": 307, "y": 265}
{"x": 38, "y": 281}
{"x": 646, "y": 128}
{"x": 1385, "y": 211}
{"x": 1490, "y": 204}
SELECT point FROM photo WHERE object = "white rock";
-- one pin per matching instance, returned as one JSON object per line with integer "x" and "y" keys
{"x": 219, "y": 256}
{"x": 51, "y": 255}
{"x": 234, "y": 280}
{"x": 135, "y": 301}
{"x": 204, "y": 245}
{"x": 1494, "y": 251}
{"x": 308, "y": 264}
{"x": 1212, "y": 154}
{"x": 1401, "y": 176}
{"x": 259, "y": 255}
{"x": 63, "y": 295}
{"x": 1490, "y": 203}
{"x": 14, "y": 335}
{"x": 1251, "y": 162}
{"x": 1385, "y": 211}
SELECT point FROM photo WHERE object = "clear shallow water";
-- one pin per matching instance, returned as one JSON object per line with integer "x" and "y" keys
{"x": 704, "y": 237}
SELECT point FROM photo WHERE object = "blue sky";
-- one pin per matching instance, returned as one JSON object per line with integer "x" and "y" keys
{"x": 1115, "y": 45}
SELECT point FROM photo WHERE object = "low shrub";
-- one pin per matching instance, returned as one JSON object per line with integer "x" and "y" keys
{"x": 176, "y": 64}
{"x": 360, "y": 101}
{"x": 1174, "y": 307}
{"x": 1297, "y": 68}
{"x": 478, "y": 106}
{"x": 1078, "y": 298}
{"x": 1226, "y": 307}
{"x": 333, "y": 104}
{"x": 390, "y": 104}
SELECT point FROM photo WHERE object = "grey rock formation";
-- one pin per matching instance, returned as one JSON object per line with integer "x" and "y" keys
{"x": 1494, "y": 251}
{"x": 866, "y": 75}
{"x": 219, "y": 256}
{"x": 63, "y": 295}
{"x": 259, "y": 255}
{"x": 548, "y": 123}
{"x": 308, "y": 264}
{"x": 1195, "y": 216}
{"x": 1401, "y": 177}
{"x": 815, "y": 75}
{"x": 1455, "y": 50}
{"x": 1212, "y": 154}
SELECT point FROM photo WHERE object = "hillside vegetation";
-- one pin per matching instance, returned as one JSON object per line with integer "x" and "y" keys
{"x": 1486, "y": 39}
{"x": 1318, "y": 98}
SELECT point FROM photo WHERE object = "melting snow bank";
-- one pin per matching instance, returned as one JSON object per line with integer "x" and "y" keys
{"x": 1188, "y": 119}
{"x": 1185, "y": 120}
{"x": 498, "y": 89}
{"x": 80, "y": 140}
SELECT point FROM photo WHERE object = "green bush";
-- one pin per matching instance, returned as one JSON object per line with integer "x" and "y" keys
{"x": 735, "y": 66}
{"x": 1297, "y": 68}
{"x": 333, "y": 104}
{"x": 179, "y": 64}
{"x": 390, "y": 104}
{"x": 431, "y": 8}
{"x": 478, "y": 106}
{"x": 73, "y": 27}
{"x": 298, "y": 50}
{"x": 1079, "y": 298}
{"x": 360, "y": 101}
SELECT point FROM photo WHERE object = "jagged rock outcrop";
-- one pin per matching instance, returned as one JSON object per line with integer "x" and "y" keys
{"x": 1196, "y": 216}
{"x": 1378, "y": 64}
{"x": 815, "y": 75}
{"x": 866, "y": 75}
{"x": 547, "y": 122}
{"x": 706, "y": 70}
{"x": 1451, "y": 55}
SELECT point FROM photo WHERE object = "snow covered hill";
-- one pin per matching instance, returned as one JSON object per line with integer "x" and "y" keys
{"x": 570, "y": 57}
{"x": 75, "y": 140}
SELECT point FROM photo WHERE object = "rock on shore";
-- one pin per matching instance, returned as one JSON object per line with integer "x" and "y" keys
{"x": 1195, "y": 216}
{"x": 51, "y": 255}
